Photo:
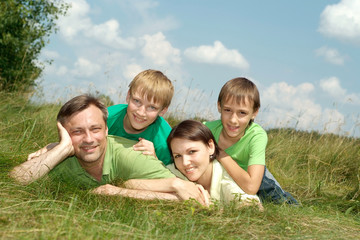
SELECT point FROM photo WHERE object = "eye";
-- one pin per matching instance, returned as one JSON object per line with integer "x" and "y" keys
{"x": 152, "y": 108}
{"x": 96, "y": 129}
{"x": 176, "y": 156}
{"x": 192, "y": 151}
{"x": 76, "y": 132}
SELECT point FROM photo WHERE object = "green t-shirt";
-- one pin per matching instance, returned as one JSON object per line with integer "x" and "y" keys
{"x": 121, "y": 163}
{"x": 157, "y": 132}
{"x": 250, "y": 149}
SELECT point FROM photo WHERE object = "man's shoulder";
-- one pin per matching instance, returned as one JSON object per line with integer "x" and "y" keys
{"x": 120, "y": 141}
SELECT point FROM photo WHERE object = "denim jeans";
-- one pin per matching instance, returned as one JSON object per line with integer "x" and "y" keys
{"x": 271, "y": 191}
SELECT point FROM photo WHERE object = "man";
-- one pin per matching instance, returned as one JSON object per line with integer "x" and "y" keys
{"x": 89, "y": 158}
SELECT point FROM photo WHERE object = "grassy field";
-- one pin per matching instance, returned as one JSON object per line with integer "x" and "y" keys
{"x": 321, "y": 171}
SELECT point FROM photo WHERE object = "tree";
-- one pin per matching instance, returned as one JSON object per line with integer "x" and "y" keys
{"x": 25, "y": 26}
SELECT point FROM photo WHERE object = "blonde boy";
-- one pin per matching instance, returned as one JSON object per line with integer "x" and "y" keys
{"x": 244, "y": 142}
{"x": 148, "y": 99}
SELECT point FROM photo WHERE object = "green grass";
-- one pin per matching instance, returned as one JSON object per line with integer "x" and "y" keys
{"x": 322, "y": 171}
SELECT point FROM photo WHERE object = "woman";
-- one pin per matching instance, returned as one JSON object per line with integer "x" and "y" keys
{"x": 193, "y": 149}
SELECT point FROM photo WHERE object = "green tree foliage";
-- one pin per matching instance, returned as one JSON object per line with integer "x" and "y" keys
{"x": 25, "y": 26}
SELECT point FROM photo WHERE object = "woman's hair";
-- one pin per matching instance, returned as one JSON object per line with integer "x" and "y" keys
{"x": 194, "y": 131}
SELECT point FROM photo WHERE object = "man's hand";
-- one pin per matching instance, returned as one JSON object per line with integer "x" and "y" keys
{"x": 147, "y": 147}
{"x": 187, "y": 190}
{"x": 107, "y": 189}
{"x": 65, "y": 139}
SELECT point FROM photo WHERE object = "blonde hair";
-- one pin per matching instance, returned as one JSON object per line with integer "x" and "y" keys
{"x": 154, "y": 85}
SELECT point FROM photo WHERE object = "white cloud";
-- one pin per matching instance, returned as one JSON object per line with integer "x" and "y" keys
{"x": 85, "y": 68}
{"x": 77, "y": 27}
{"x": 284, "y": 105}
{"x": 331, "y": 55}
{"x": 217, "y": 54}
{"x": 333, "y": 87}
{"x": 342, "y": 20}
{"x": 160, "y": 51}
{"x": 132, "y": 70}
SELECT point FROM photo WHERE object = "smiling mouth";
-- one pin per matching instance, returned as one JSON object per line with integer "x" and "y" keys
{"x": 189, "y": 170}
{"x": 138, "y": 119}
{"x": 233, "y": 129}
{"x": 88, "y": 148}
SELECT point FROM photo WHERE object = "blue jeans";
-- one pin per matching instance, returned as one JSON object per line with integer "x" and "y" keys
{"x": 271, "y": 191}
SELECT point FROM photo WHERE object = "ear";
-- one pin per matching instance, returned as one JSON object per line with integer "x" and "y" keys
{"x": 219, "y": 107}
{"x": 162, "y": 112}
{"x": 211, "y": 147}
{"x": 255, "y": 114}
{"x": 107, "y": 131}
{"x": 128, "y": 97}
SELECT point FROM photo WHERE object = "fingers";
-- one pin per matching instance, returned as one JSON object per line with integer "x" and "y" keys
{"x": 205, "y": 195}
{"x": 145, "y": 146}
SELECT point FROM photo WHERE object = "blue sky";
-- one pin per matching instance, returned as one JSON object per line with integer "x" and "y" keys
{"x": 303, "y": 55}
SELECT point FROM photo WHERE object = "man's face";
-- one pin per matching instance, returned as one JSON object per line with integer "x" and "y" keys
{"x": 141, "y": 112}
{"x": 88, "y": 132}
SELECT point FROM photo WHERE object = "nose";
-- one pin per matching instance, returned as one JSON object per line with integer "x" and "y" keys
{"x": 88, "y": 137}
{"x": 186, "y": 160}
{"x": 141, "y": 110}
{"x": 233, "y": 117}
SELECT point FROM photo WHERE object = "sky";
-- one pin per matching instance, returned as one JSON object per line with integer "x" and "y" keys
{"x": 303, "y": 55}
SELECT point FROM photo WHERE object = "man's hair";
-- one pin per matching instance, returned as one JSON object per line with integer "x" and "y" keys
{"x": 154, "y": 85}
{"x": 78, "y": 104}
{"x": 240, "y": 89}
{"x": 194, "y": 131}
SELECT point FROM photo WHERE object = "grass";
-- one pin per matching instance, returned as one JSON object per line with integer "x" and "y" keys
{"x": 322, "y": 171}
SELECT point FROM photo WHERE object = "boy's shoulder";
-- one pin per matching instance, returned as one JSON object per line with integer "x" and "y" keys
{"x": 213, "y": 124}
{"x": 116, "y": 108}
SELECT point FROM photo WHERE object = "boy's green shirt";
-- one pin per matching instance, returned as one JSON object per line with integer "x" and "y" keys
{"x": 250, "y": 149}
{"x": 157, "y": 132}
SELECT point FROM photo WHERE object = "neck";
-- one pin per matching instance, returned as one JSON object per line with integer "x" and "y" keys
{"x": 128, "y": 128}
{"x": 205, "y": 179}
{"x": 94, "y": 168}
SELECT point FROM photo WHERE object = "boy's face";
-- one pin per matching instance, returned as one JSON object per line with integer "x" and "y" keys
{"x": 235, "y": 118}
{"x": 141, "y": 112}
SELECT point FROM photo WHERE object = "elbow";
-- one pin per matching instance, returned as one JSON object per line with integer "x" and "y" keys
{"x": 251, "y": 189}
{"x": 20, "y": 176}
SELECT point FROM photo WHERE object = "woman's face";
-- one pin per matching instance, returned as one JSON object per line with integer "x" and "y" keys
{"x": 192, "y": 158}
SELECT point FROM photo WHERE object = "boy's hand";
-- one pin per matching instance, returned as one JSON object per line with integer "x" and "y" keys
{"x": 42, "y": 151}
{"x": 145, "y": 146}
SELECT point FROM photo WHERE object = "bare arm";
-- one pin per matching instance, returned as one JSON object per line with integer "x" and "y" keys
{"x": 249, "y": 180}
{"x": 133, "y": 193}
{"x": 38, "y": 167}
{"x": 42, "y": 151}
{"x": 184, "y": 189}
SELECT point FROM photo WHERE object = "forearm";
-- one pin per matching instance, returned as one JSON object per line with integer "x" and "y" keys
{"x": 248, "y": 181}
{"x": 38, "y": 167}
{"x": 112, "y": 190}
{"x": 184, "y": 189}
{"x": 166, "y": 185}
